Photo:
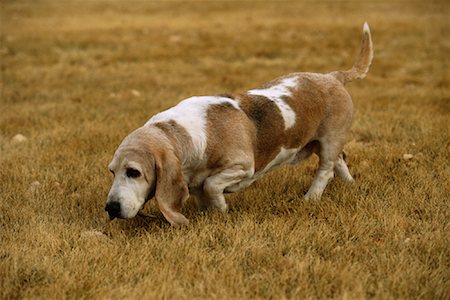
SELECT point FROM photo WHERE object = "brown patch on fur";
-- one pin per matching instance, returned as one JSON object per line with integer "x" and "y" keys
{"x": 137, "y": 146}
{"x": 231, "y": 136}
{"x": 178, "y": 136}
{"x": 309, "y": 101}
{"x": 171, "y": 189}
{"x": 269, "y": 125}
{"x": 323, "y": 106}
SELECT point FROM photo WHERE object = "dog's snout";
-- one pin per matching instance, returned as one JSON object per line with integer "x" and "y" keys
{"x": 113, "y": 209}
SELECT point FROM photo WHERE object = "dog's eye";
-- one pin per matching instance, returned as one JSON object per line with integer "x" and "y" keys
{"x": 133, "y": 173}
{"x": 112, "y": 172}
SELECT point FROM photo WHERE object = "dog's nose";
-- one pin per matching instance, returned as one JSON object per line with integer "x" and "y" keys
{"x": 113, "y": 209}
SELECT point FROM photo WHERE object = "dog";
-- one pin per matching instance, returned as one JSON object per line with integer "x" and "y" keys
{"x": 210, "y": 145}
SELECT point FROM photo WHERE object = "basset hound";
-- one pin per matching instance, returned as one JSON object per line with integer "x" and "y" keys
{"x": 210, "y": 145}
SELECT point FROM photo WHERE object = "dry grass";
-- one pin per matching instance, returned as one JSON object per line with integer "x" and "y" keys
{"x": 68, "y": 74}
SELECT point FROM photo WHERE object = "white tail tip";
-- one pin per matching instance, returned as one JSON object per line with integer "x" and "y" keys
{"x": 366, "y": 27}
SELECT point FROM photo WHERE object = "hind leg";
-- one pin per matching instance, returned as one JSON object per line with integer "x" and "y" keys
{"x": 341, "y": 169}
{"x": 306, "y": 152}
{"x": 327, "y": 160}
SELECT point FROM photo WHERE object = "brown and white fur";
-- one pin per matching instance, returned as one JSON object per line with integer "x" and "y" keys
{"x": 205, "y": 146}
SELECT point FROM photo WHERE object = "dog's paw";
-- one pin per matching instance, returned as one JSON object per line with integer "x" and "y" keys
{"x": 311, "y": 196}
{"x": 349, "y": 179}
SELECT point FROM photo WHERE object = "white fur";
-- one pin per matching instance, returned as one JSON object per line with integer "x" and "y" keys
{"x": 323, "y": 176}
{"x": 191, "y": 114}
{"x": 285, "y": 156}
{"x": 341, "y": 169}
{"x": 129, "y": 192}
{"x": 216, "y": 184}
{"x": 210, "y": 193}
{"x": 275, "y": 93}
{"x": 366, "y": 27}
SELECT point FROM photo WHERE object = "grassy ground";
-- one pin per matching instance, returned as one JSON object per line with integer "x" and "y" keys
{"x": 77, "y": 76}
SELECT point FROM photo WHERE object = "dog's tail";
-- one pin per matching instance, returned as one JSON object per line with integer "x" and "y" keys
{"x": 362, "y": 64}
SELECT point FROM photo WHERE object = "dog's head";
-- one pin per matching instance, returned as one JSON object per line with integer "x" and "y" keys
{"x": 144, "y": 166}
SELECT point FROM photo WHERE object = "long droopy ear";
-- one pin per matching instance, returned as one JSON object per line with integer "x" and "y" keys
{"x": 171, "y": 189}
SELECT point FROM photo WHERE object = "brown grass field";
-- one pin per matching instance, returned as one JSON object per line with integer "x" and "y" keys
{"x": 78, "y": 76}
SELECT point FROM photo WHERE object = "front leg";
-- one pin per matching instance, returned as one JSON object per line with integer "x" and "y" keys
{"x": 215, "y": 185}
{"x": 200, "y": 198}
